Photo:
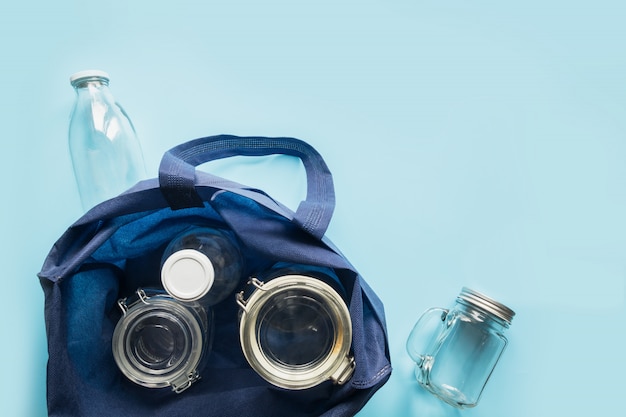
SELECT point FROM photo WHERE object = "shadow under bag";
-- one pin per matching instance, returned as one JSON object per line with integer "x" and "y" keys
{"x": 116, "y": 248}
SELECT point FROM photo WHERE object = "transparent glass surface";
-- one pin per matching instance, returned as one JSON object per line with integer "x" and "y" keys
{"x": 159, "y": 341}
{"x": 456, "y": 350}
{"x": 462, "y": 361}
{"x": 296, "y": 330}
{"x": 106, "y": 154}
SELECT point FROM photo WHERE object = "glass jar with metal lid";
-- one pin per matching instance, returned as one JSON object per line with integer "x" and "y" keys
{"x": 295, "y": 328}
{"x": 457, "y": 349}
{"x": 160, "y": 341}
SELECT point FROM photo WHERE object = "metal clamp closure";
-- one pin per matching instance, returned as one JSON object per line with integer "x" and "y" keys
{"x": 185, "y": 381}
{"x": 255, "y": 282}
{"x": 124, "y": 304}
{"x": 344, "y": 371}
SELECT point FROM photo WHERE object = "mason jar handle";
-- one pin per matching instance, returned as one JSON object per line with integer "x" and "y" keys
{"x": 177, "y": 178}
{"x": 425, "y": 333}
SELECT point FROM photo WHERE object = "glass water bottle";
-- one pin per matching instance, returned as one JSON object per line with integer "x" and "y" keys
{"x": 104, "y": 148}
{"x": 202, "y": 264}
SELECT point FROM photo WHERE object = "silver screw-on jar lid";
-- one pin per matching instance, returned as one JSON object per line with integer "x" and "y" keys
{"x": 487, "y": 304}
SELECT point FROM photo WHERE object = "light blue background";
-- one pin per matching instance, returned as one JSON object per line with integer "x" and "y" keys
{"x": 477, "y": 143}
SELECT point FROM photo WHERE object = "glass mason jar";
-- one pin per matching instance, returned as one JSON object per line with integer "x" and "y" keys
{"x": 456, "y": 350}
{"x": 161, "y": 342}
{"x": 295, "y": 327}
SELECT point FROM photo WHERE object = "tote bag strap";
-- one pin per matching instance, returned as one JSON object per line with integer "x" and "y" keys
{"x": 177, "y": 173}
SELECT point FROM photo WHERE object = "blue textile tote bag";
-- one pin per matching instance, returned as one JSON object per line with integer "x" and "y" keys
{"x": 96, "y": 273}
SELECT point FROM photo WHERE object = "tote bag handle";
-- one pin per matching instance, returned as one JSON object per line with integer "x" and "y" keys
{"x": 177, "y": 170}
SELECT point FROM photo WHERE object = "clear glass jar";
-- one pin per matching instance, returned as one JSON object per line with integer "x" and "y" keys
{"x": 456, "y": 350}
{"x": 295, "y": 327}
{"x": 161, "y": 342}
{"x": 106, "y": 154}
{"x": 202, "y": 264}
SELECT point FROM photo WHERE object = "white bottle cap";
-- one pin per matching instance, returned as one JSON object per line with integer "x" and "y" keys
{"x": 187, "y": 275}
{"x": 88, "y": 74}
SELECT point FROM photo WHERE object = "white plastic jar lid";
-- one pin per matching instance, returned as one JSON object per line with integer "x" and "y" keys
{"x": 187, "y": 275}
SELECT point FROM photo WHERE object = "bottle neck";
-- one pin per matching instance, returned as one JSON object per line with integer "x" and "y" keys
{"x": 90, "y": 82}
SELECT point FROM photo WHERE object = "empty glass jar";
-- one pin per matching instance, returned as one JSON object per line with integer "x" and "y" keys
{"x": 295, "y": 328}
{"x": 456, "y": 350}
{"x": 161, "y": 342}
